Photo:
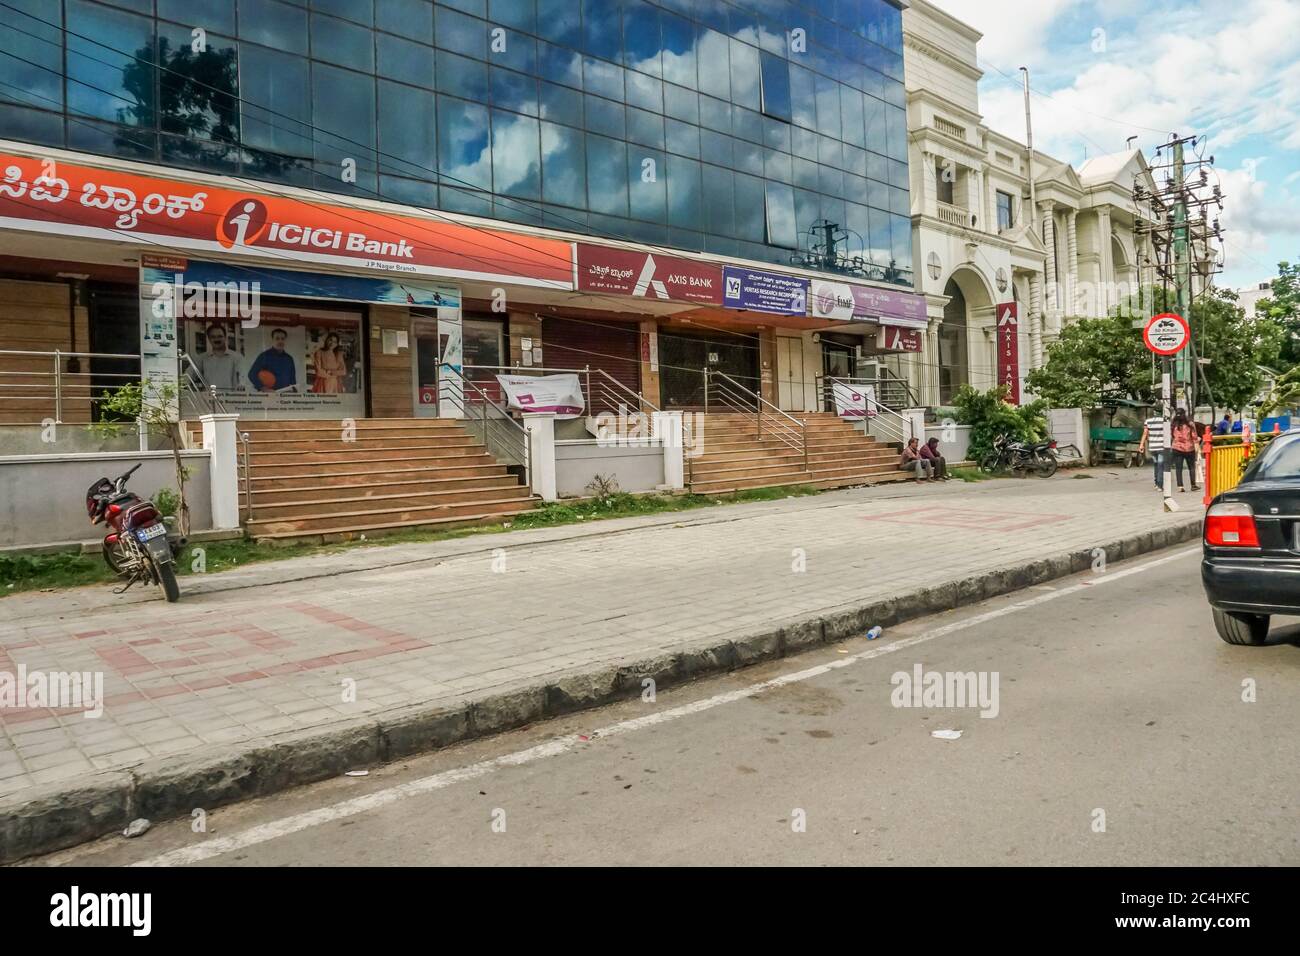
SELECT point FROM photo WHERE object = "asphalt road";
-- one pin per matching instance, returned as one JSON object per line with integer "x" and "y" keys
{"x": 1114, "y": 695}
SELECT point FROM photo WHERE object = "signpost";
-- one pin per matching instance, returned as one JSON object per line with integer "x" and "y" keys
{"x": 1008, "y": 337}
{"x": 1166, "y": 335}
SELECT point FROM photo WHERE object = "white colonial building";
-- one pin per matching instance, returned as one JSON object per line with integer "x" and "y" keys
{"x": 978, "y": 237}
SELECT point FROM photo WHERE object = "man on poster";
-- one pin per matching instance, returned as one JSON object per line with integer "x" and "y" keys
{"x": 220, "y": 367}
{"x": 274, "y": 370}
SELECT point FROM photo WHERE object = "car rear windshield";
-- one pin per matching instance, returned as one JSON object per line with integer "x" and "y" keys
{"x": 1280, "y": 460}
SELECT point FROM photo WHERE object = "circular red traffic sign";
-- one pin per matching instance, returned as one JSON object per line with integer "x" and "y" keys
{"x": 1166, "y": 333}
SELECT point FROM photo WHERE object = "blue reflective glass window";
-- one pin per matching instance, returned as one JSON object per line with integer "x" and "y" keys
{"x": 112, "y": 77}
{"x": 560, "y": 21}
{"x": 746, "y": 124}
{"x": 31, "y": 126}
{"x": 276, "y": 92}
{"x": 716, "y": 147}
{"x": 513, "y": 91}
{"x": 877, "y": 167}
{"x": 684, "y": 207}
{"x": 413, "y": 192}
{"x": 855, "y": 160}
{"x": 343, "y": 106}
{"x": 807, "y": 210}
{"x": 681, "y": 104}
{"x": 469, "y": 201}
{"x": 602, "y": 22}
{"x": 515, "y": 51}
{"x": 719, "y": 201}
{"x": 881, "y": 242}
{"x": 775, "y": 86}
{"x": 644, "y": 128}
{"x": 855, "y": 188}
{"x": 714, "y": 14}
{"x": 346, "y": 44}
{"x": 899, "y": 203}
{"x": 803, "y": 96}
{"x": 273, "y": 24}
{"x": 852, "y": 117}
{"x": 647, "y": 194}
{"x": 858, "y": 222}
{"x": 830, "y": 180}
{"x": 742, "y": 24}
{"x": 520, "y": 14}
{"x": 476, "y": 7}
{"x": 642, "y": 42}
{"x": 516, "y": 155}
{"x": 559, "y": 65}
{"x": 830, "y": 151}
{"x": 606, "y": 175}
{"x": 715, "y": 114}
{"x": 604, "y": 116}
{"x": 678, "y": 50}
{"x": 460, "y": 34}
{"x": 777, "y": 134}
{"x": 461, "y": 76}
{"x": 464, "y": 151}
{"x": 778, "y": 166}
{"x": 33, "y": 74}
{"x": 748, "y": 157}
{"x": 714, "y": 63}
{"x": 900, "y": 228}
{"x": 410, "y": 18}
{"x": 403, "y": 60}
{"x": 877, "y": 136}
{"x": 805, "y": 172}
{"x": 362, "y": 11}
{"x": 896, "y": 123}
{"x": 564, "y": 165}
{"x": 746, "y": 77}
{"x": 198, "y": 93}
{"x": 828, "y": 106}
{"x": 603, "y": 78}
{"x": 898, "y": 174}
{"x": 682, "y": 138}
{"x": 750, "y": 225}
{"x": 644, "y": 91}
{"x": 560, "y": 104}
{"x": 215, "y": 16}
{"x": 772, "y": 36}
{"x": 407, "y": 131}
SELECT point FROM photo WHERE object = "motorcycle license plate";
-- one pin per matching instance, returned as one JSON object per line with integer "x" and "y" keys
{"x": 153, "y": 531}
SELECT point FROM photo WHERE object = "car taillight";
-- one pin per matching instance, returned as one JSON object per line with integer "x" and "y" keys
{"x": 1231, "y": 524}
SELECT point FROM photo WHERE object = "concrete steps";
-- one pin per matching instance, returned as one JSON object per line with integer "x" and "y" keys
{"x": 312, "y": 480}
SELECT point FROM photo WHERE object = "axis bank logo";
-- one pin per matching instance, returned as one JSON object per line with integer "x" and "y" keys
{"x": 247, "y": 221}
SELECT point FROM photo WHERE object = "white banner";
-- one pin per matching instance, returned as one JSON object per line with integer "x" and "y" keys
{"x": 560, "y": 395}
{"x": 159, "y": 348}
{"x": 854, "y": 401}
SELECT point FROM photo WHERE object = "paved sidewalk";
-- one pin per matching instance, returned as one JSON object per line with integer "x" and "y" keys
{"x": 270, "y": 649}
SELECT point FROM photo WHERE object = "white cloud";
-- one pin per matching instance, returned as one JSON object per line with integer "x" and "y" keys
{"x": 1015, "y": 32}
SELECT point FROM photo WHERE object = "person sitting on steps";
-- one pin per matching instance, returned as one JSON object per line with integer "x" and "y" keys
{"x": 911, "y": 460}
{"x": 938, "y": 464}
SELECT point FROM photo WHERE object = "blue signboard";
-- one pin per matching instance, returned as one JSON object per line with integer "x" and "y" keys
{"x": 764, "y": 291}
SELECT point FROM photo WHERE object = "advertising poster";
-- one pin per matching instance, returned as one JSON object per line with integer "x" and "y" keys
{"x": 159, "y": 347}
{"x": 558, "y": 394}
{"x": 853, "y": 401}
{"x": 627, "y": 272}
{"x": 1009, "y": 349}
{"x": 295, "y": 363}
{"x": 764, "y": 291}
{"x": 451, "y": 366}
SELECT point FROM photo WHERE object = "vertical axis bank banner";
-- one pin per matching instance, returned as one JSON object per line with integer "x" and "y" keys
{"x": 1008, "y": 346}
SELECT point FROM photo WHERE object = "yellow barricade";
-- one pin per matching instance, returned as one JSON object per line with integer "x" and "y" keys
{"x": 1225, "y": 467}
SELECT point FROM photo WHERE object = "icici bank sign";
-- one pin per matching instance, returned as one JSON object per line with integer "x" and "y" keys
{"x": 68, "y": 199}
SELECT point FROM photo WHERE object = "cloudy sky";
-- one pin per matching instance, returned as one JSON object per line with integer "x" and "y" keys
{"x": 1104, "y": 70}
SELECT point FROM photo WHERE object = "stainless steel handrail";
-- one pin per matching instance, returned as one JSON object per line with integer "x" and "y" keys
{"x": 248, "y": 480}
{"x": 610, "y": 384}
{"x": 215, "y": 404}
{"x": 503, "y": 418}
{"x": 62, "y": 389}
{"x": 620, "y": 387}
{"x": 734, "y": 391}
{"x": 901, "y": 429}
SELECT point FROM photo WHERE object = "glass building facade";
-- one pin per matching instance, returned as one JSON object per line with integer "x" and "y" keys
{"x": 721, "y": 127}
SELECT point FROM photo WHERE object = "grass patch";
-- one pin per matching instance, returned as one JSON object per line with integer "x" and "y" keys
{"x": 969, "y": 474}
{"x": 65, "y": 570}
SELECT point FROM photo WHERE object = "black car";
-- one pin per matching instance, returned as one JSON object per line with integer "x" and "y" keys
{"x": 1251, "y": 563}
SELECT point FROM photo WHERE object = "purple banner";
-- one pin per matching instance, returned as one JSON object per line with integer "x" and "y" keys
{"x": 891, "y": 308}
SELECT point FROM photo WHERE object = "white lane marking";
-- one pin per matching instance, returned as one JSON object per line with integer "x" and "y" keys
{"x": 553, "y": 748}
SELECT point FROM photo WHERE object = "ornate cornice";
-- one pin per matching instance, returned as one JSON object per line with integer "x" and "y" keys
{"x": 940, "y": 55}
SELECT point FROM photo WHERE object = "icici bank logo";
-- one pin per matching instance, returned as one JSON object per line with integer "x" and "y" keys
{"x": 243, "y": 223}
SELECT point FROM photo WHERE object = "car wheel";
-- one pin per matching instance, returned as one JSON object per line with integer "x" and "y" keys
{"x": 1241, "y": 628}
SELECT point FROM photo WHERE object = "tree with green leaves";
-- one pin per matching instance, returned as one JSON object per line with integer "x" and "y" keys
{"x": 990, "y": 414}
{"x": 1094, "y": 360}
{"x": 1283, "y": 307}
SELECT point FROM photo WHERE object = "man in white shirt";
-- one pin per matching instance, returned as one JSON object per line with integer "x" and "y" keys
{"x": 1153, "y": 440}
{"x": 220, "y": 368}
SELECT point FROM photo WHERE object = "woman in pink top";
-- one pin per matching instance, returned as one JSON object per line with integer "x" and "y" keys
{"x": 1185, "y": 442}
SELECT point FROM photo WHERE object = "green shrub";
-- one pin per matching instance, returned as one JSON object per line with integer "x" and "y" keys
{"x": 989, "y": 415}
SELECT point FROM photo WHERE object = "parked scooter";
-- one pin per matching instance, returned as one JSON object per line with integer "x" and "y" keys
{"x": 1040, "y": 458}
{"x": 139, "y": 545}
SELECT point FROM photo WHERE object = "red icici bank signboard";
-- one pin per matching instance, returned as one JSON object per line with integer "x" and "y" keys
{"x": 68, "y": 199}
{"x": 1009, "y": 349}
{"x": 650, "y": 275}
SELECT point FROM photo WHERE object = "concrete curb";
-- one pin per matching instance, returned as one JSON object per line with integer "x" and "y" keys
{"x": 56, "y": 816}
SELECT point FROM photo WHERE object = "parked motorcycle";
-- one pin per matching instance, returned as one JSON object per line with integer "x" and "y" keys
{"x": 1039, "y": 457}
{"x": 139, "y": 545}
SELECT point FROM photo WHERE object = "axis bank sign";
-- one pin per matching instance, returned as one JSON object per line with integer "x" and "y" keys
{"x": 647, "y": 275}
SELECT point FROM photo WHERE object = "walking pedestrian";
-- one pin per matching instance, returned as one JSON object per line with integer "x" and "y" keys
{"x": 1225, "y": 425}
{"x": 1153, "y": 441}
{"x": 1186, "y": 442}
{"x": 911, "y": 460}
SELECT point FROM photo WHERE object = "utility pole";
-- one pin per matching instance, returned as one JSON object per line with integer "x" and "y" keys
{"x": 1029, "y": 146}
{"x": 1182, "y": 272}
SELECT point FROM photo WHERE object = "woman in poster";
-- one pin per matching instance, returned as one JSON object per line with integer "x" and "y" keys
{"x": 329, "y": 367}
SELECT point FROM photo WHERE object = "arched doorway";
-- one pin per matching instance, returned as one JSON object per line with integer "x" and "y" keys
{"x": 953, "y": 358}
{"x": 966, "y": 334}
